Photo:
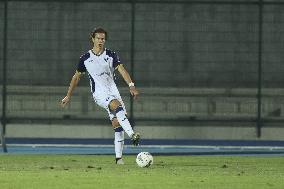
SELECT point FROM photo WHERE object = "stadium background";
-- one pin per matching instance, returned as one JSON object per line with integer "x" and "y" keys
{"x": 209, "y": 70}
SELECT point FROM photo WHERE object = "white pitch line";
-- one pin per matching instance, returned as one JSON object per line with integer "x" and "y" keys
{"x": 153, "y": 146}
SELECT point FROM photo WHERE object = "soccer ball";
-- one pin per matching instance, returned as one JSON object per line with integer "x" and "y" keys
{"x": 144, "y": 159}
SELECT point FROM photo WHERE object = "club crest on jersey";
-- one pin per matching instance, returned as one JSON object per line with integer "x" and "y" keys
{"x": 106, "y": 59}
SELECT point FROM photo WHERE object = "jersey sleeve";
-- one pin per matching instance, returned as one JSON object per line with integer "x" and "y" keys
{"x": 116, "y": 60}
{"x": 81, "y": 66}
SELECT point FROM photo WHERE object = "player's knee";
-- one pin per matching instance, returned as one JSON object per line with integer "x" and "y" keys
{"x": 116, "y": 126}
{"x": 115, "y": 123}
{"x": 114, "y": 104}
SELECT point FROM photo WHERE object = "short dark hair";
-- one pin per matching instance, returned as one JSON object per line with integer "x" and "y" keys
{"x": 98, "y": 30}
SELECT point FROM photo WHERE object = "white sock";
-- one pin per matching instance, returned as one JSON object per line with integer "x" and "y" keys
{"x": 123, "y": 121}
{"x": 118, "y": 142}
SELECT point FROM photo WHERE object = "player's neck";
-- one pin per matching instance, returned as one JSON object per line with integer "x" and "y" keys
{"x": 97, "y": 50}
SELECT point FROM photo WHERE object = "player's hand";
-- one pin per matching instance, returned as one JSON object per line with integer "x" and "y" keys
{"x": 134, "y": 92}
{"x": 65, "y": 101}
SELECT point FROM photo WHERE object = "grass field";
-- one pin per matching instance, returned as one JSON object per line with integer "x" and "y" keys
{"x": 168, "y": 172}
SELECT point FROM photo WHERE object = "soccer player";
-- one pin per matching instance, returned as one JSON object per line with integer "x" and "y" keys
{"x": 100, "y": 64}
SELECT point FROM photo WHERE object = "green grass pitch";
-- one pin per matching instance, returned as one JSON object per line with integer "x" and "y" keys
{"x": 167, "y": 172}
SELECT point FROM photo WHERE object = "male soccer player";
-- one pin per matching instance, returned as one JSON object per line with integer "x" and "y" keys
{"x": 100, "y": 64}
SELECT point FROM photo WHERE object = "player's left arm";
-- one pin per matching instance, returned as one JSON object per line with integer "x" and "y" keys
{"x": 123, "y": 72}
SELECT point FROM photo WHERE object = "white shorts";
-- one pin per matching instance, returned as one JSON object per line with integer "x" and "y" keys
{"x": 103, "y": 101}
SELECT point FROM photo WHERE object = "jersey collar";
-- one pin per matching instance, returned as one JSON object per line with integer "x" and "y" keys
{"x": 98, "y": 54}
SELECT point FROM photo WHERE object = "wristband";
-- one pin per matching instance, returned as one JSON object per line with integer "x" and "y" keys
{"x": 131, "y": 84}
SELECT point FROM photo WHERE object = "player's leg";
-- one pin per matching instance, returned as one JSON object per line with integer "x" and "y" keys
{"x": 118, "y": 140}
{"x": 102, "y": 100}
{"x": 115, "y": 106}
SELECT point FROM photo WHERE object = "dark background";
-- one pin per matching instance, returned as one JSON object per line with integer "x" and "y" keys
{"x": 192, "y": 60}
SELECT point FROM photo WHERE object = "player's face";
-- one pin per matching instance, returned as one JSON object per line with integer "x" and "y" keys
{"x": 99, "y": 40}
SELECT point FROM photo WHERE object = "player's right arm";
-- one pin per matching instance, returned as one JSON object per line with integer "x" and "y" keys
{"x": 73, "y": 83}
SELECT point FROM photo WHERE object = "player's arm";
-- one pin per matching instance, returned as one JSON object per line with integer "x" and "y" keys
{"x": 73, "y": 83}
{"x": 123, "y": 72}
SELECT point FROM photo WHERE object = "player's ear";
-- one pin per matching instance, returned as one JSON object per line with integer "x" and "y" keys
{"x": 92, "y": 38}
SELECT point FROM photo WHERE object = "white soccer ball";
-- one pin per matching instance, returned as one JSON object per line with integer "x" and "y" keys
{"x": 144, "y": 159}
